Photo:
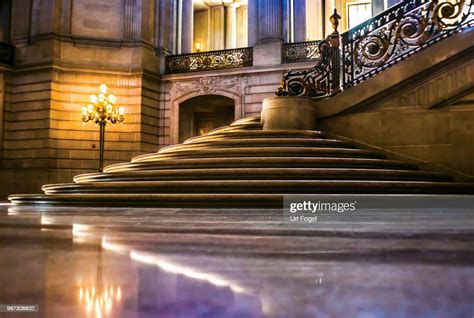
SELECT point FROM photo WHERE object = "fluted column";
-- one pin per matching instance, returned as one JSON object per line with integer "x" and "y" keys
{"x": 242, "y": 34}
{"x": 299, "y": 20}
{"x": 165, "y": 27}
{"x": 187, "y": 14}
{"x": 231, "y": 26}
{"x": 252, "y": 22}
{"x": 270, "y": 21}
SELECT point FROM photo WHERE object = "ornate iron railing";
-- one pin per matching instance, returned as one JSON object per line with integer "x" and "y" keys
{"x": 7, "y": 53}
{"x": 324, "y": 78}
{"x": 377, "y": 44}
{"x": 399, "y": 32}
{"x": 212, "y": 60}
{"x": 300, "y": 52}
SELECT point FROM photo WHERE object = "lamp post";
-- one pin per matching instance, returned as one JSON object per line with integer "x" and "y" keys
{"x": 102, "y": 110}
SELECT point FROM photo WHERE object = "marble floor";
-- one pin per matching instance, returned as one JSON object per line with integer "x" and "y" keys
{"x": 147, "y": 262}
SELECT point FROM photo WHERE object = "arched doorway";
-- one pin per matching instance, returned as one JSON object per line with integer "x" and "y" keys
{"x": 201, "y": 114}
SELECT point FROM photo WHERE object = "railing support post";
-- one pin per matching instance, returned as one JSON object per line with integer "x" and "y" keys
{"x": 334, "y": 40}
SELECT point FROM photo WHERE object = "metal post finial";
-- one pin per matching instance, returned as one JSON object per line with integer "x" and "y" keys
{"x": 334, "y": 19}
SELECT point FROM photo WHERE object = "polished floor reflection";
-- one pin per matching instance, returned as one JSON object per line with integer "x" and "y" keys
{"x": 112, "y": 262}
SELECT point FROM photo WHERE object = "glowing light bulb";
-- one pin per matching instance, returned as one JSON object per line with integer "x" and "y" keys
{"x": 94, "y": 99}
{"x": 90, "y": 109}
{"x": 101, "y": 97}
{"x": 112, "y": 99}
{"x": 103, "y": 89}
{"x": 84, "y": 110}
{"x": 121, "y": 111}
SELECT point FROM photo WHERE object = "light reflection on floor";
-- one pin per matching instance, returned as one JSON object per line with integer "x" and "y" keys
{"x": 137, "y": 263}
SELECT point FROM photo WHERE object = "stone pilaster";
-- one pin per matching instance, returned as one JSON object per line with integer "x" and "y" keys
{"x": 242, "y": 34}
{"x": 217, "y": 27}
{"x": 165, "y": 26}
{"x": 132, "y": 19}
{"x": 231, "y": 26}
{"x": 299, "y": 20}
{"x": 66, "y": 10}
{"x": 147, "y": 20}
{"x": 252, "y": 22}
{"x": 187, "y": 26}
{"x": 42, "y": 18}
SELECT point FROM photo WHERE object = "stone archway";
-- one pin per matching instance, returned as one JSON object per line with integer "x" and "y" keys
{"x": 199, "y": 115}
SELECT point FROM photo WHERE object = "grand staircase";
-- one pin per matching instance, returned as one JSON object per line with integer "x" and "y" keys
{"x": 243, "y": 165}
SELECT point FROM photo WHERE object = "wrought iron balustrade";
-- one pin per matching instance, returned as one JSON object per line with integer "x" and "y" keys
{"x": 324, "y": 78}
{"x": 300, "y": 52}
{"x": 7, "y": 53}
{"x": 212, "y": 60}
{"x": 380, "y": 42}
{"x": 398, "y": 33}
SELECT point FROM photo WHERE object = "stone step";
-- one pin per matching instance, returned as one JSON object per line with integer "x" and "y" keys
{"x": 246, "y": 120}
{"x": 258, "y": 152}
{"x": 246, "y": 134}
{"x": 261, "y": 142}
{"x": 264, "y": 174}
{"x": 262, "y": 162}
{"x": 262, "y": 186}
{"x": 254, "y": 200}
{"x": 152, "y": 200}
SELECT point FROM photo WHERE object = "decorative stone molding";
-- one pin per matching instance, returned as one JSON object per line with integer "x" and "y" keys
{"x": 437, "y": 90}
{"x": 209, "y": 85}
{"x": 229, "y": 86}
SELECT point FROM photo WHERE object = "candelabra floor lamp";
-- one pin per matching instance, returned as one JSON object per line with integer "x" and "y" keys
{"x": 102, "y": 110}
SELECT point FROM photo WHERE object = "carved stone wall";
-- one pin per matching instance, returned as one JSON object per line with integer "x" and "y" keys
{"x": 431, "y": 121}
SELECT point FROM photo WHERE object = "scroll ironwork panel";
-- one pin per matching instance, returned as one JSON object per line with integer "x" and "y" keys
{"x": 300, "y": 52}
{"x": 212, "y": 60}
{"x": 324, "y": 78}
{"x": 398, "y": 33}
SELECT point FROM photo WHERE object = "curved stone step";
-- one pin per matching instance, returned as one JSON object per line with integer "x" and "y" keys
{"x": 263, "y": 162}
{"x": 260, "y": 142}
{"x": 236, "y": 127}
{"x": 158, "y": 200}
{"x": 258, "y": 152}
{"x": 256, "y": 142}
{"x": 258, "y": 134}
{"x": 264, "y": 174}
{"x": 262, "y": 186}
{"x": 153, "y": 200}
{"x": 246, "y": 120}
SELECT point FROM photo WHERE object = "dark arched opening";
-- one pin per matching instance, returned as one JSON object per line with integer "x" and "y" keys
{"x": 201, "y": 114}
